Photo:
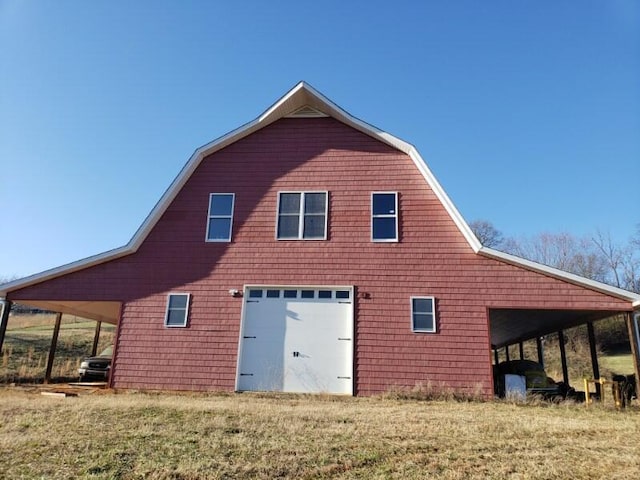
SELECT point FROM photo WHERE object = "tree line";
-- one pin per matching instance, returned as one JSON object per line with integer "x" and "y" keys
{"x": 597, "y": 257}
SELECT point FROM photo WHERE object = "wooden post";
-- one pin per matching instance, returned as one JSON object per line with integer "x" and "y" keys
{"x": 496, "y": 357}
{"x": 594, "y": 355}
{"x": 96, "y": 339}
{"x": 4, "y": 319}
{"x": 506, "y": 352}
{"x": 52, "y": 350}
{"x": 521, "y": 347}
{"x": 563, "y": 357}
{"x": 633, "y": 326}
{"x": 540, "y": 349}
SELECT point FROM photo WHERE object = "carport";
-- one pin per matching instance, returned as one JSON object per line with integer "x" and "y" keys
{"x": 99, "y": 311}
{"x": 510, "y": 327}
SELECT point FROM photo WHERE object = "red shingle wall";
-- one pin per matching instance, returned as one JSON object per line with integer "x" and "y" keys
{"x": 432, "y": 258}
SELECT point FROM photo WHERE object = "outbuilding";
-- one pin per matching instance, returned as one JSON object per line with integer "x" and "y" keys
{"x": 308, "y": 251}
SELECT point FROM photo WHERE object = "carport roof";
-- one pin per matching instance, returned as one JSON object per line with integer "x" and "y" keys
{"x": 510, "y": 325}
{"x": 107, "y": 312}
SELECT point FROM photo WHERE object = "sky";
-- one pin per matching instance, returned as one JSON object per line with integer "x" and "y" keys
{"x": 528, "y": 112}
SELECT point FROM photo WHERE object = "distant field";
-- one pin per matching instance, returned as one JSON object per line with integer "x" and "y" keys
{"x": 27, "y": 343}
{"x": 620, "y": 363}
{"x": 249, "y": 436}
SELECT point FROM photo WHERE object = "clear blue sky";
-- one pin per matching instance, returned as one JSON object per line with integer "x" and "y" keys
{"x": 527, "y": 112}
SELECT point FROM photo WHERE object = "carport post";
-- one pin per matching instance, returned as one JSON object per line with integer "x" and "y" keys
{"x": 521, "y": 347}
{"x": 506, "y": 352}
{"x": 594, "y": 354}
{"x": 96, "y": 338}
{"x": 496, "y": 356}
{"x": 540, "y": 349}
{"x": 52, "y": 350}
{"x": 633, "y": 325}
{"x": 4, "y": 319}
{"x": 563, "y": 357}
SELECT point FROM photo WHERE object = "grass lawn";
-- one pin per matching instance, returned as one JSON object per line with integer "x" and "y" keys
{"x": 199, "y": 436}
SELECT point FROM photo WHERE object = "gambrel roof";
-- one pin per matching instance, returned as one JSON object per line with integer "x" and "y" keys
{"x": 305, "y": 101}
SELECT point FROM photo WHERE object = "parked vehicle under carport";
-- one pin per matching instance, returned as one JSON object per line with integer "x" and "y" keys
{"x": 98, "y": 367}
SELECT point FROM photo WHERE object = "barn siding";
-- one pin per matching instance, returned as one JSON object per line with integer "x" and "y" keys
{"x": 432, "y": 258}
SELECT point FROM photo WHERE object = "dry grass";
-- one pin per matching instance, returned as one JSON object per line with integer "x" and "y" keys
{"x": 161, "y": 436}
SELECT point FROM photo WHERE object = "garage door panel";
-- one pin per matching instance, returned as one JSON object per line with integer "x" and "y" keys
{"x": 297, "y": 344}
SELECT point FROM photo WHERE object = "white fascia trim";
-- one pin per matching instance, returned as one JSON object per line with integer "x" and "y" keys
{"x": 274, "y": 113}
{"x": 561, "y": 275}
{"x": 64, "y": 269}
{"x": 451, "y": 209}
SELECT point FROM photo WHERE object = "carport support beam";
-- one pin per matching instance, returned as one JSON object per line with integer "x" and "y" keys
{"x": 506, "y": 352}
{"x": 96, "y": 339}
{"x": 594, "y": 354}
{"x": 633, "y": 326}
{"x": 540, "y": 349}
{"x": 52, "y": 350}
{"x": 563, "y": 357}
{"x": 4, "y": 319}
{"x": 521, "y": 347}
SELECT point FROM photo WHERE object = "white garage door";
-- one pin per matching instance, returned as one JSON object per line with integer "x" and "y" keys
{"x": 297, "y": 340}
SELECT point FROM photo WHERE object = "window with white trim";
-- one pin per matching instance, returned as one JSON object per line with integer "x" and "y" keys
{"x": 384, "y": 216}
{"x": 220, "y": 218}
{"x": 177, "y": 310}
{"x": 302, "y": 216}
{"x": 423, "y": 314}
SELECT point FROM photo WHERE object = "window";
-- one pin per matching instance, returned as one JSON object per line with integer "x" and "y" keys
{"x": 302, "y": 216}
{"x": 384, "y": 217}
{"x": 177, "y": 310}
{"x": 220, "y": 217}
{"x": 423, "y": 316}
{"x": 255, "y": 293}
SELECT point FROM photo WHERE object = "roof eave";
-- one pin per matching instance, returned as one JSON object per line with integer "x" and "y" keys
{"x": 103, "y": 257}
{"x": 632, "y": 297}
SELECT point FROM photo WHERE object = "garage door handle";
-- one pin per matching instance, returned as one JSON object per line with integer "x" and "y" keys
{"x": 340, "y": 338}
{"x": 248, "y": 337}
{"x": 296, "y": 354}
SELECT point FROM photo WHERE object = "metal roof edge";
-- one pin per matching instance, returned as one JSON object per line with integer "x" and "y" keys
{"x": 561, "y": 275}
{"x": 449, "y": 206}
{"x": 24, "y": 282}
{"x": 271, "y": 115}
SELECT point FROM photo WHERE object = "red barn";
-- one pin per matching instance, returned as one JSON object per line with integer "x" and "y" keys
{"x": 308, "y": 251}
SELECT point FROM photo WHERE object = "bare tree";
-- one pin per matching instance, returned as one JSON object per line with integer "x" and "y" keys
{"x": 598, "y": 258}
{"x": 561, "y": 250}
{"x": 7, "y": 279}
{"x": 623, "y": 261}
{"x": 488, "y": 235}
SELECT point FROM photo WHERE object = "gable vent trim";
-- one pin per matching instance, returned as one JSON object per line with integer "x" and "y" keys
{"x": 306, "y": 112}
